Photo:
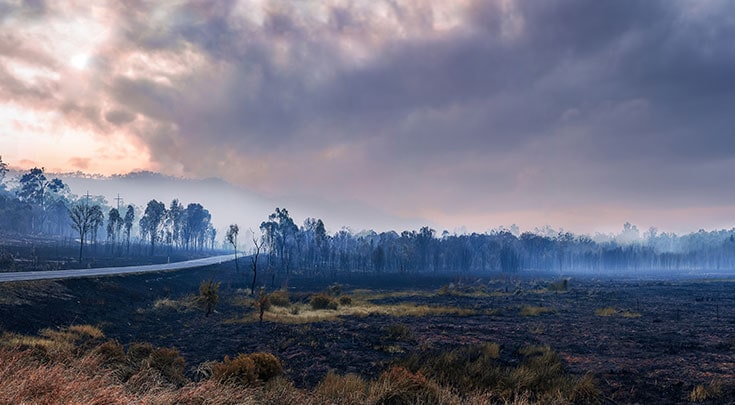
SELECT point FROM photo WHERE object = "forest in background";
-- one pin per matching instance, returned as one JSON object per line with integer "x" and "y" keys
{"x": 33, "y": 204}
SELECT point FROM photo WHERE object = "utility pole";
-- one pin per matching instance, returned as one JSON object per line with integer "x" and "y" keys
{"x": 119, "y": 200}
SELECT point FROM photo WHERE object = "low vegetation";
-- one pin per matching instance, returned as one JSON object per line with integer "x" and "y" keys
{"x": 706, "y": 392}
{"x": 305, "y": 313}
{"x": 612, "y": 311}
{"x": 77, "y": 365}
{"x": 529, "y": 310}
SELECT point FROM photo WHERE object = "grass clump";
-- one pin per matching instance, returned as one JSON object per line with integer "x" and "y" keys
{"x": 469, "y": 367}
{"x": 184, "y": 304}
{"x": 529, "y": 310}
{"x": 279, "y": 299}
{"x": 398, "y": 331}
{"x": 535, "y": 375}
{"x": 247, "y": 369}
{"x": 323, "y": 301}
{"x": 346, "y": 389}
{"x": 611, "y": 311}
{"x": 558, "y": 286}
{"x": 708, "y": 392}
{"x": 607, "y": 311}
{"x": 400, "y": 386}
{"x": 57, "y": 344}
{"x": 630, "y": 314}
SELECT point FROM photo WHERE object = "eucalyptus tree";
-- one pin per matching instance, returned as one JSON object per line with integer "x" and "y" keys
{"x": 98, "y": 220}
{"x": 280, "y": 231}
{"x": 175, "y": 218}
{"x": 33, "y": 187}
{"x": 128, "y": 224}
{"x": 152, "y": 220}
{"x": 195, "y": 225}
{"x": 114, "y": 226}
{"x": 81, "y": 215}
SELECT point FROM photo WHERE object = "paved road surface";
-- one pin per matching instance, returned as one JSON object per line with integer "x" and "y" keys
{"x": 108, "y": 271}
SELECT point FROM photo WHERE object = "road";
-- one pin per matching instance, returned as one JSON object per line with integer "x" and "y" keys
{"x": 111, "y": 271}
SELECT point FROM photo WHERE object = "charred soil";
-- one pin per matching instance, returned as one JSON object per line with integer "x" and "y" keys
{"x": 643, "y": 341}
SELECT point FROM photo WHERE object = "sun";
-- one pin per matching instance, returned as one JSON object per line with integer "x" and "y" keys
{"x": 80, "y": 61}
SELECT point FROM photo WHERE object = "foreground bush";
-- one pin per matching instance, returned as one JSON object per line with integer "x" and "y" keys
{"x": 344, "y": 390}
{"x": 246, "y": 369}
{"x": 536, "y": 375}
{"x": 279, "y": 299}
{"x": 108, "y": 374}
{"x": 400, "y": 386}
{"x": 323, "y": 301}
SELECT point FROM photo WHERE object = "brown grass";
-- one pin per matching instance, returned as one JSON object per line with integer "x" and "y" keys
{"x": 108, "y": 374}
{"x": 184, "y": 304}
{"x": 708, "y": 392}
{"x": 529, "y": 310}
{"x": 611, "y": 311}
{"x": 304, "y": 313}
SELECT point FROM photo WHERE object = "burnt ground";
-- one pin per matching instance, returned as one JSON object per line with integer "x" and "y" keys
{"x": 685, "y": 334}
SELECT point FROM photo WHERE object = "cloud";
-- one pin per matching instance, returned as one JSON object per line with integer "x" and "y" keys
{"x": 79, "y": 163}
{"x": 428, "y": 106}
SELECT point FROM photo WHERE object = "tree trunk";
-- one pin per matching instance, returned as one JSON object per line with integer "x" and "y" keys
{"x": 81, "y": 248}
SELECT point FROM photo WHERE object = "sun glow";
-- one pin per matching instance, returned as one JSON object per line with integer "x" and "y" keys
{"x": 80, "y": 61}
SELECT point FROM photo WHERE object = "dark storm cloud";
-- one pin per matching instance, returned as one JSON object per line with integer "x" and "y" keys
{"x": 530, "y": 104}
{"x": 601, "y": 85}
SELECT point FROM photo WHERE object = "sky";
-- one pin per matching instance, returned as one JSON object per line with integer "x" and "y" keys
{"x": 477, "y": 113}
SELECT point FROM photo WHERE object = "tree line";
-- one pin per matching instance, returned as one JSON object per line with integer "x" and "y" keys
{"x": 36, "y": 204}
{"x": 310, "y": 250}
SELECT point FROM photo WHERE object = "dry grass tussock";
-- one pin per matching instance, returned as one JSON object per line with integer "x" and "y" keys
{"x": 611, "y": 311}
{"x": 184, "y": 304}
{"x": 304, "y": 313}
{"x": 528, "y": 310}
{"x": 536, "y": 376}
{"x": 324, "y": 307}
{"x": 706, "y": 392}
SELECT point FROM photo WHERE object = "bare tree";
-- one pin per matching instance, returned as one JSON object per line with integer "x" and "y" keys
{"x": 231, "y": 238}
{"x": 254, "y": 260}
{"x": 82, "y": 218}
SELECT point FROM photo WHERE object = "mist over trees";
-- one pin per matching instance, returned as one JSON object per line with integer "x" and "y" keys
{"x": 34, "y": 204}
{"x": 309, "y": 250}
